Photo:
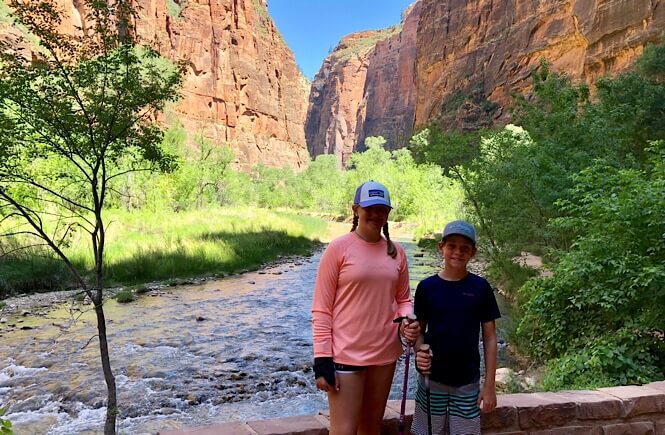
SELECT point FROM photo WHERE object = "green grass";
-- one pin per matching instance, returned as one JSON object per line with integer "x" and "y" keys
{"x": 145, "y": 246}
{"x": 33, "y": 270}
{"x": 261, "y": 23}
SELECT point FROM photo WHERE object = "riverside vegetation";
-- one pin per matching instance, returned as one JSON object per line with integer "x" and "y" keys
{"x": 577, "y": 178}
{"x": 580, "y": 179}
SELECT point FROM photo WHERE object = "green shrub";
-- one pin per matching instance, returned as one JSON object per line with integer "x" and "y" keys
{"x": 507, "y": 274}
{"x": 79, "y": 297}
{"x": 125, "y": 296}
{"x": 600, "y": 315}
{"x": 626, "y": 357}
{"x": 174, "y": 9}
{"x": 140, "y": 289}
{"x": 5, "y": 425}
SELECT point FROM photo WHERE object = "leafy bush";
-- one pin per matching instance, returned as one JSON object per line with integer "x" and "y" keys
{"x": 5, "y": 425}
{"x": 621, "y": 358}
{"x": 607, "y": 290}
{"x": 125, "y": 296}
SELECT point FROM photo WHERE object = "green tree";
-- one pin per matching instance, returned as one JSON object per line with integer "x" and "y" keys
{"x": 601, "y": 314}
{"x": 199, "y": 179}
{"x": 318, "y": 186}
{"x": 73, "y": 118}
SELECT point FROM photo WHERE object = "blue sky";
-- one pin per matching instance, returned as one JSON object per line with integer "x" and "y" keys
{"x": 312, "y": 27}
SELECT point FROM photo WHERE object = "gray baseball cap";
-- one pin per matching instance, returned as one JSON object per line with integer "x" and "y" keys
{"x": 462, "y": 228}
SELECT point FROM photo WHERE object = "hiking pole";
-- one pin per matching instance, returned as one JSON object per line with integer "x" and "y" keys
{"x": 425, "y": 347}
{"x": 410, "y": 318}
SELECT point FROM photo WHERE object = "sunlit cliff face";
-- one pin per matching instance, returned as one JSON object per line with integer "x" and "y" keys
{"x": 242, "y": 88}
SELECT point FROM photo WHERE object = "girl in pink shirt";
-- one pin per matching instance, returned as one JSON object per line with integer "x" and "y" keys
{"x": 362, "y": 285}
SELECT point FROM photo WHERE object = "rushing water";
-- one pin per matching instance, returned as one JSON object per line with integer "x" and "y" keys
{"x": 238, "y": 348}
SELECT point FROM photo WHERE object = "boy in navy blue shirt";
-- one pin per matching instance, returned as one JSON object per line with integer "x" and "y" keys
{"x": 452, "y": 307}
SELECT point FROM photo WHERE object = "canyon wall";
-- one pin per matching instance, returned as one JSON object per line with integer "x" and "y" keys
{"x": 364, "y": 88}
{"x": 457, "y": 62}
{"x": 242, "y": 87}
{"x": 473, "y": 54}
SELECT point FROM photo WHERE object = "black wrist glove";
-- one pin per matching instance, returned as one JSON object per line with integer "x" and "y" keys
{"x": 324, "y": 366}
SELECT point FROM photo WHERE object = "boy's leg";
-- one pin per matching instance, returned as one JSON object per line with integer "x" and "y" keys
{"x": 377, "y": 388}
{"x": 464, "y": 410}
{"x": 439, "y": 408}
{"x": 346, "y": 404}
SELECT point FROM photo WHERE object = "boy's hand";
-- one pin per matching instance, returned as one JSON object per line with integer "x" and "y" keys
{"x": 487, "y": 398}
{"x": 424, "y": 361}
{"x": 409, "y": 330}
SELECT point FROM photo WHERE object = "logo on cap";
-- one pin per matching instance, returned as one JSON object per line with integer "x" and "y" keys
{"x": 372, "y": 193}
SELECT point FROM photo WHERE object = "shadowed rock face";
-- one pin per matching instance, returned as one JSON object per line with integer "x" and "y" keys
{"x": 457, "y": 62}
{"x": 472, "y": 54}
{"x": 364, "y": 88}
{"x": 242, "y": 88}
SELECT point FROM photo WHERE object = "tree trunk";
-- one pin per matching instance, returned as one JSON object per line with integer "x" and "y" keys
{"x": 112, "y": 402}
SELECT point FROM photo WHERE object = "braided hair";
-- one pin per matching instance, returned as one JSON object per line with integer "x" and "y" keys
{"x": 392, "y": 251}
{"x": 391, "y": 246}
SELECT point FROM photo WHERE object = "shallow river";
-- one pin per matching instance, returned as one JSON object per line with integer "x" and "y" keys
{"x": 238, "y": 348}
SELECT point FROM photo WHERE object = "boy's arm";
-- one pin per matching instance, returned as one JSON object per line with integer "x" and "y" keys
{"x": 488, "y": 393}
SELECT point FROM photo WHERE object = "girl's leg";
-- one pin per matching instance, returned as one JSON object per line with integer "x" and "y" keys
{"x": 346, "y": 404}
{"x": 377, "y": 388}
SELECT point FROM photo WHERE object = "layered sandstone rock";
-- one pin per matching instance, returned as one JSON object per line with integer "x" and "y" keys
{"x": 390, "y": 94}
{"x": 335, "y": 96}
{"x": 472, "y": 54}
{"x": 364, "y": 88}
{"x": 242, "y": 88}
{"x": 470, "y": 57}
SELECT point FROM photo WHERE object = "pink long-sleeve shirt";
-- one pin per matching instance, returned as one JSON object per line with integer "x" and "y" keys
{"x": 359, "y": 290}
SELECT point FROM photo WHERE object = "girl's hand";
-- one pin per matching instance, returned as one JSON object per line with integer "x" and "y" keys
{"x": 323, "y": 385}
{"x": 409, "y": 330}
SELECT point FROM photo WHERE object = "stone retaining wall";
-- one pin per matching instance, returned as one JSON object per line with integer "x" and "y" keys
{"x": 629, "y": 410}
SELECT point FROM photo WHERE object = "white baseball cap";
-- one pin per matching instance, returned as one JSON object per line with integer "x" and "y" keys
{"x": 372, "y": 193}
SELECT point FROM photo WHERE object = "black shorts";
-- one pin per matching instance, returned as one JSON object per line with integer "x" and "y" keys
{"x": 346, "y": 368}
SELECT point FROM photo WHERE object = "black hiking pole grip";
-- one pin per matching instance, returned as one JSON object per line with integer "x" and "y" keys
{"x": 425, "y": 347}
{"x": 410, "y": 318}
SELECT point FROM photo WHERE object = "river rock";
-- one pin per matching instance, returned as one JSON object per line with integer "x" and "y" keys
{"x": 503, "y": 377}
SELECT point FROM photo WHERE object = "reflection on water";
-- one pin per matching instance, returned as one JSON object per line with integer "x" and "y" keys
{"x": 232, "y": 349}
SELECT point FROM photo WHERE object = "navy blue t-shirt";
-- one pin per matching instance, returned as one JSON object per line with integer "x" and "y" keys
{"x": 454, "y": 312}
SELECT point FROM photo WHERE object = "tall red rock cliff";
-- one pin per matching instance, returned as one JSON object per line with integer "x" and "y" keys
{"x": 364, "y": 88}
{"x": 473, "y": 53}
{"x": 456, "y": 62}
{"x": 242, "y": 88}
